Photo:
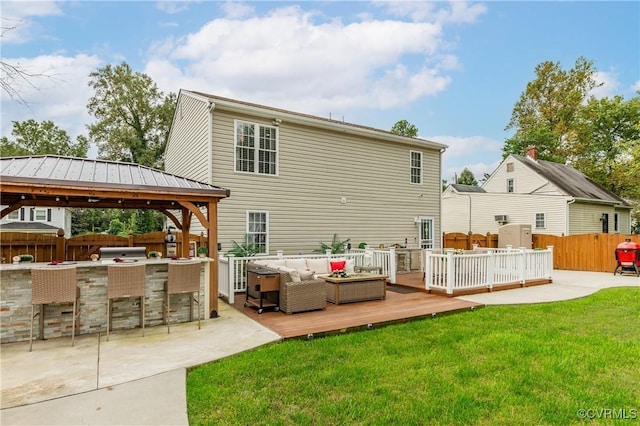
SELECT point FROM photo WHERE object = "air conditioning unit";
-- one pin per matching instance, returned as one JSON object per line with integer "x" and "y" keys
{"x": 502, "y": 218}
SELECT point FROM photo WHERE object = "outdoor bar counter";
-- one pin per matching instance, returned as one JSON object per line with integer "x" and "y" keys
{"x": 15, "y": 301}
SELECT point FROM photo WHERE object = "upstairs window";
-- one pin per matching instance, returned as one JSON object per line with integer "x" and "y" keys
{"x": 416, "y": 167}
{"x": 541, "y": 220}
{"x": 511, "y": 185}
{"x": 14, "y": 215}
{"x": 256, "y": 148}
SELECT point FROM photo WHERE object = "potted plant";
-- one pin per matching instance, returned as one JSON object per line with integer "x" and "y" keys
{"x": 154, "y": 255}
{"x": 26, "y": 258}
{"x": 202, "y": 251}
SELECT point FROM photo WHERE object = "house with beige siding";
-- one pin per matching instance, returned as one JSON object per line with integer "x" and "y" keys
{"x": 297, "y": 179}
{"x": 552, "y": 198}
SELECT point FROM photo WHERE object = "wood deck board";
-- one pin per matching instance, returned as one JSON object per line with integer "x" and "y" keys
{"x": 397, "y": 307}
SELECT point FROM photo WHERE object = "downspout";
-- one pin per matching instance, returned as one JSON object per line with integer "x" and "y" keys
{"x": 566, "y": 220}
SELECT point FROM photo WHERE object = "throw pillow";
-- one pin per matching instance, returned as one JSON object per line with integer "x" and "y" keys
{"x": 293, "y": 273}
{"x": 299, "y": 263}
{"x": 306, "y": 275}
{"x": 338, "y": 266}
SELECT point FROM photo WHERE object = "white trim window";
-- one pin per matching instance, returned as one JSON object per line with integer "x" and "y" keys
{"x": 41, "y": 215}
{"x": 541, "y": 220}
{"x": 15, "y": 215}
{"x": 255, "y": 156}
{"x": 415, "y": 170}
{"x": 258, "y": 230}
{"x": 511, "y": 185}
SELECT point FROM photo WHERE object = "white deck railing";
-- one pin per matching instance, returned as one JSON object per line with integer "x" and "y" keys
{"x": 232, "y": 270}
{"x": 473, "y": 269}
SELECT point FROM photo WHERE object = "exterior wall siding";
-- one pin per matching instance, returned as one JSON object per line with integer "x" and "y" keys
{"x": 584, "y": 218}
{"x": 520, "y": 209}
{"x": 188, "y": 151}
{"x": 328, "y": 183}
{"x": 526, "y": 181}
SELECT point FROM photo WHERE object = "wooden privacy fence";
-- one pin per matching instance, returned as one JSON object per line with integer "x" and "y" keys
{"x": 584, "y": 252}
{"x": 45, "y": 248}
{"x": 458, "y": 240}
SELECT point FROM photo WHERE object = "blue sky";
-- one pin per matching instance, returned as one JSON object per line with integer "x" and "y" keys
{"x": 453, "y": 69}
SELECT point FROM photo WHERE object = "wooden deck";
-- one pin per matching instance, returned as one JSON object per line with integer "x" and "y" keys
{"x": 402, "y": 304}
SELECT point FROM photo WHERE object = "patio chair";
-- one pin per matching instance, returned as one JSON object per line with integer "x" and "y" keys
{"x": 183, "y": 277}
{"x": 53, "y": 285}
{"x": 125, "y": 280}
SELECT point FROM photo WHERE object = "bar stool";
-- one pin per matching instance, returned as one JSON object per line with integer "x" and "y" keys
{"x": 53, "y": 285}
{"x": 125, "y": 280}
{"x": 183, "y": 277}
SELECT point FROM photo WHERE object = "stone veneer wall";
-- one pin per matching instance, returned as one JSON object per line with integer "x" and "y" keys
{"x": 15, "y": 305}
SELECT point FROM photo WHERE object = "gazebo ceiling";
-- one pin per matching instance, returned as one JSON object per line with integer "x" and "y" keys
{"x": 54, "y": 181}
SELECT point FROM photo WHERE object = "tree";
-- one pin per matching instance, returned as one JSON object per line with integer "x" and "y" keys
{"x": 33, "y": 138}
{"x": 134, "y": 117}
{"x": 467, "y": 178}
{"x": 404, "y": 128}
{"x": 606, "y": 146}
{"x": 546, "y": 113}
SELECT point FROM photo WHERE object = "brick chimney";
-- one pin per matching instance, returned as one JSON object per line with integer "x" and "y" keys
{"x": 532, "y": 152}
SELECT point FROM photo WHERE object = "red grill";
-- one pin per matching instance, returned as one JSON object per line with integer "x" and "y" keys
{"x": 628, "y": 257}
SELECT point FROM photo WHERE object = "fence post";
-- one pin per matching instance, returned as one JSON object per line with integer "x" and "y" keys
{"x": 130, "y": 238}
{"x": 521, "y": 266}
{"x": 232, "y": 276}
{"x": 550, "y": 264}
{"x": 450, "y": 271}
{"x": 61, "y": 246}
{"x": 491, "y": 268}
{"x": 428, "y": 274}
{"x": 392, "y": 265}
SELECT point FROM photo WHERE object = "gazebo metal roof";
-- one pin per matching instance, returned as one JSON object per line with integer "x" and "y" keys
{"x": 56, "y": 181}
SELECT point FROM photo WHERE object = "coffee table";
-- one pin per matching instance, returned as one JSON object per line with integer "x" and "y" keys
{"x": 356, "y": 288}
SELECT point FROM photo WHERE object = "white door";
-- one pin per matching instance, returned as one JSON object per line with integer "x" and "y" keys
{"x": 425, "y": 232}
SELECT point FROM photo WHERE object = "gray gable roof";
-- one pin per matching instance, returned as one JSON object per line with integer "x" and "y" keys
{"x": 570, "y": 181}
{"x": 467, "y": 188}
{"x": 31, "y": 226}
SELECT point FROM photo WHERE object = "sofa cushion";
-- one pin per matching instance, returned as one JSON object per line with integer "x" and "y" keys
{"x": 261, "y": 262}
{"x": 300, "y": 264}
{"x": 293, "y": 273}
{"x": 337, "y": 265}
{"x": 321, "y": 266}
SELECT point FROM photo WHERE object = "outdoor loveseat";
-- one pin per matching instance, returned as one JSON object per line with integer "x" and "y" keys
{"x": 297, "y": 293}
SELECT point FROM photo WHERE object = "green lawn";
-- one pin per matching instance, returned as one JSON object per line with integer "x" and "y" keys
{"x": 526, "y": 364}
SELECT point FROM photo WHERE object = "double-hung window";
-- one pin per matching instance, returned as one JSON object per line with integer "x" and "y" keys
{"x": 256, "y": 148}
{"x": 541, "y": 220}
{"x": 416, "y": 167}
{"x": 511, "y": 185}
{"x": 257, "y": 230}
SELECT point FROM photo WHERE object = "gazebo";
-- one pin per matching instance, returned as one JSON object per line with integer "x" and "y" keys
{"x": 56, "y": 181}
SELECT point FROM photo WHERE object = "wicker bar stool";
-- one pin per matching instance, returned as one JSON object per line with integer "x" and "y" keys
{"x": 183, "y": 277}
{"x": 125, "y": 280}
{"x": 53, "y": 285}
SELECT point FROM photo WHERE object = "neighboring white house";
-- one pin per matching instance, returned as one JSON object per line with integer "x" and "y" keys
{"x": 41, "y": 220}
{"x": 296, "y": 179}
{"x": 553, "y": 198}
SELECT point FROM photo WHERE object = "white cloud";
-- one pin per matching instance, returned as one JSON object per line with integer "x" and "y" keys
{"x": 456, "y": 12}
{"x": 59, "y": 92}
{"x": 608, "y": 84}
{"x": 287, "y": 59}
{"x": 465, "y": 151}
{"x": 17, "y": 28}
